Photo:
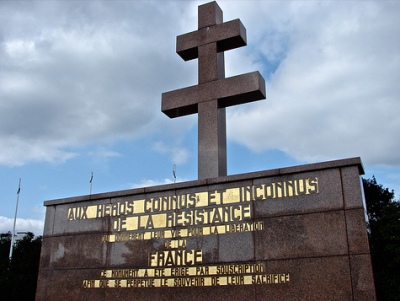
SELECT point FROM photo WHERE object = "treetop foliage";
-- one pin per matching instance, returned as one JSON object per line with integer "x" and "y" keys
{"x": 18, "y": 277}
{"x": 384, "y": 237}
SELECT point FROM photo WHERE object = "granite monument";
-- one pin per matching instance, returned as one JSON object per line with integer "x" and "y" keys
{"x": 295, "y": 233}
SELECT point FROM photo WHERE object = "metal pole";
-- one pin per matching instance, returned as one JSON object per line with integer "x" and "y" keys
{"x": 15, "y": 220}
{"x": 91, "y": 180}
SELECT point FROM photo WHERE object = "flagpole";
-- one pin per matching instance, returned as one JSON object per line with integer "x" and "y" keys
{"x": 91, "y": 180}
{"x": 15, "y": 220}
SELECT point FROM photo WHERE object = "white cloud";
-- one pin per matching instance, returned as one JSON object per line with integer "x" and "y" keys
{"x": 104, "y": 153}
{"x": 335, "y": 94}
{"x": 78, "y": 73}
{"x": 18, "y": 151}
{"x": 97, "y": 79}
{"x": 22, "y": 225}
{"x": 149, "y": 183}
{"x": 152, "y": 182}
{"x": 178, "y": 154}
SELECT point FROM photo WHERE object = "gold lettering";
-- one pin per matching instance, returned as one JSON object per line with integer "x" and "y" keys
{"x": 119, "y": 224}
{"x": 235, "y": 280}
{"x": 77, "y": 213}
{"x": 176, "y": 257}
{"x": 202, "y": 270}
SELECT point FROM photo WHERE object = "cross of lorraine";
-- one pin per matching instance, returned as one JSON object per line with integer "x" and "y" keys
{"x": 214, "y": 92}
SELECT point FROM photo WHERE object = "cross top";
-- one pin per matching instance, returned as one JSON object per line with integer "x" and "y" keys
{"x": 214, "y": 92}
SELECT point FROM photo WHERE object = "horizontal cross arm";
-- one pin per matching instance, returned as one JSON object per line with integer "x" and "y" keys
{"x": 228, "y": 35}
{"x": 228, "y": 91}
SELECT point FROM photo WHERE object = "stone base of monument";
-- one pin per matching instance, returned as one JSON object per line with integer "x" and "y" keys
{"x": 296, "y": 233}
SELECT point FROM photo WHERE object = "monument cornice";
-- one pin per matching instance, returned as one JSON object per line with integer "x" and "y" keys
{"x": 342, "y": 163}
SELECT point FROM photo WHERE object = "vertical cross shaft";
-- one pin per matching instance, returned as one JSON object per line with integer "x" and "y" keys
{"x": 212, "y": 119}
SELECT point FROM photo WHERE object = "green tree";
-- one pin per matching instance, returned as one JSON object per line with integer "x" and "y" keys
{"x": 5, "y": 241}
{"x": 19, "y": 276}
{"x": 384, "y": 225}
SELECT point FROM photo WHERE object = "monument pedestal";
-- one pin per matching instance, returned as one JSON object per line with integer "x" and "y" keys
{"x": 294, "y": 233}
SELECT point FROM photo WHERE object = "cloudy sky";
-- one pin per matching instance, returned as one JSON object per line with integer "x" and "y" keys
{"x": 81, "y": 84}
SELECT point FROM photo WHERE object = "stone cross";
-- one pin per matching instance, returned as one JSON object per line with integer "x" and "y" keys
{"x": 214, "y": 92}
